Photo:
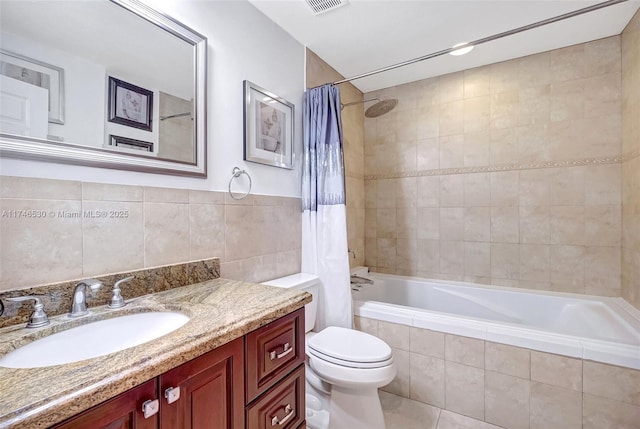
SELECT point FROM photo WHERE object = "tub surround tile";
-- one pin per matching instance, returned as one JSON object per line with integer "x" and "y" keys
{"x": 555, "y": 370}
{"x": 401, "y": 384}
{"x": 464, "y": 350}
{"x": 364, "y": 324}
{"x": 520, "y": 146}
{"x": 396, "y": 335}
{"x": 612, "y": 382}
{"x": 507, "y": 360}
{"x": 427, "y": 342}
{"x": 506, "y": 400}
{"x": 601, "y": 413}
{"x": 464, "y": 390}
{"x": 427, "y": 380}
{"x": 555, "y": 407}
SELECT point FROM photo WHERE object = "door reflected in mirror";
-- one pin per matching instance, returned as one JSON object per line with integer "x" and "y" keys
{"x": 93, "y": 75}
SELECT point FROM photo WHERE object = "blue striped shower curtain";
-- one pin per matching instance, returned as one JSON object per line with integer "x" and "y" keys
{"x": 324, "y": 219}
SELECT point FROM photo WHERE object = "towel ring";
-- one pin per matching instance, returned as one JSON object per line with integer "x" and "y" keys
{"x": 236, "y": 172}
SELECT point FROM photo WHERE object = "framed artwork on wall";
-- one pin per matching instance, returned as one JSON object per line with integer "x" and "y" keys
{"x": 268, "y": 133}
{"x": 129, "y": 104}
{"x": 40, "y": 74}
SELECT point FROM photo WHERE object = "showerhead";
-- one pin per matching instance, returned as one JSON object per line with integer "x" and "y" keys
{"x": 380, "y": 108}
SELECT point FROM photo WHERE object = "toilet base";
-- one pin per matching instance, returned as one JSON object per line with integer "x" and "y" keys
{"x": 359, "y": 409}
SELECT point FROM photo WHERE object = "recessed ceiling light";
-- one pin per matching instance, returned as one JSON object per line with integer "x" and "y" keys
{"x": 461, "y": 51}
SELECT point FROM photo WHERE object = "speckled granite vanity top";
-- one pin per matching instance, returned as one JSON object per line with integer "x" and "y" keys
{"x": 220, "y": 311}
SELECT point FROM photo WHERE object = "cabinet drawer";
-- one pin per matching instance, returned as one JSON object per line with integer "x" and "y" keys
{"x": 272, "y": 352}
{"x": 282, "y": 407}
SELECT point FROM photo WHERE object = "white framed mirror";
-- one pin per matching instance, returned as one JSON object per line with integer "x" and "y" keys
{"x": 106, "y": 83}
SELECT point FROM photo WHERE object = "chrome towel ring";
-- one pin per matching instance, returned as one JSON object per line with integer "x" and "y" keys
{"x": 236, "y": 172}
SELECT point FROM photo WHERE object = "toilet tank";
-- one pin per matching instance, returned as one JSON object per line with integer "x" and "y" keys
{"x": 308, "y": 283}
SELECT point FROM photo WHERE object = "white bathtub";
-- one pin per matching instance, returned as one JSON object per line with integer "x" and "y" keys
{"x": 596, "y": 328}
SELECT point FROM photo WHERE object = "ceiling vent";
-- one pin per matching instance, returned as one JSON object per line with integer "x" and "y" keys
{"x": 319, "y": 7}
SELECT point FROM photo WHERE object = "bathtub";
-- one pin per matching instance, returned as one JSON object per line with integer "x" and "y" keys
{"x": 601, "y": 329}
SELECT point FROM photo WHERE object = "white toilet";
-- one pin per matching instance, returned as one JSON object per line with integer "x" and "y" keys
{"x": 344, "y": 370}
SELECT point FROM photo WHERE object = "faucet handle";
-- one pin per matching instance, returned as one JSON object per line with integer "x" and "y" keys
{"x": 117, "y": 301}
{"x": 38, "y": 318}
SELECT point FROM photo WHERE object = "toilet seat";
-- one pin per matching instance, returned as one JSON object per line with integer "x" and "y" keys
{"x": 349, "y": 348}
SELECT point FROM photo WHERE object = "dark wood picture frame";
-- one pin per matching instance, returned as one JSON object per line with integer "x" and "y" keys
{"x": 130, "y": 143}
{"x": 130, "y": 105}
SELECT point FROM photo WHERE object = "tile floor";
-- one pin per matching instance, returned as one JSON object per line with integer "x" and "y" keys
{"x": 402, "y": 413}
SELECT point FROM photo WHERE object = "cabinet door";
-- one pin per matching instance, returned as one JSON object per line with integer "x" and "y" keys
{"x": 211, "y": 394}
{"x": 122, "y": 412}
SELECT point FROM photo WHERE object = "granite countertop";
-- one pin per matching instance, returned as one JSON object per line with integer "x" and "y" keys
{"x": 220, "y": 311}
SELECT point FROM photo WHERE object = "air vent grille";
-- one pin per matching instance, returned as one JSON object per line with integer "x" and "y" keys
{"x": 322, "y": 6}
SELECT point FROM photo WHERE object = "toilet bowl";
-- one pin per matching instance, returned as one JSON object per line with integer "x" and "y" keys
{"x": 344, "y": 369}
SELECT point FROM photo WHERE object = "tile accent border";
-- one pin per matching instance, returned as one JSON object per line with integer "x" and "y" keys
{"x": 57, "y": 297}
{"x": 505, "y": 167}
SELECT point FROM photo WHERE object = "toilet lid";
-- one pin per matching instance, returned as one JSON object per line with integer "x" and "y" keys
{"x": 350, "y": 346}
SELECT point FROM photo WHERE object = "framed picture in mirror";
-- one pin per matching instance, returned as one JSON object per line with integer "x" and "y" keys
{"x": 268, "y": 133}
{"x": 40, "y": 74}
{"x": 129, "y": 104}
{"x": 128, "y": 143}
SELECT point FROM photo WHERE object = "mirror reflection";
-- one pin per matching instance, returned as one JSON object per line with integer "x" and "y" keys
{"x": 92, "y": 73}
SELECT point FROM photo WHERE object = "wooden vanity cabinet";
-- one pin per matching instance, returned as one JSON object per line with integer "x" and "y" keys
{"x": 210, "y": 396}
{"x": 252, "y": 382}
{"x": 122, "y": 412}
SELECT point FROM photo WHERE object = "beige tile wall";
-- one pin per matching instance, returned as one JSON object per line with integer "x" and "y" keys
{"x": 319, "y": 73}
{"x": 54, "y": 230}
{"x": 507, "y": 174}
{"x": 631, "y": 165}
{"x": 512, "y": 387}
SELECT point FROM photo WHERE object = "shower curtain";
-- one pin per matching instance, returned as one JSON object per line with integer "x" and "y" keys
{"x": 324, "y": 219}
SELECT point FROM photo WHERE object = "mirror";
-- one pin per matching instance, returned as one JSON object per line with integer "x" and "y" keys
{"x": 108, "y": 83}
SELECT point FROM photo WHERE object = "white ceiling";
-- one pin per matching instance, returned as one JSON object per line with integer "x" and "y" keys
{"x": 366, "y": 35}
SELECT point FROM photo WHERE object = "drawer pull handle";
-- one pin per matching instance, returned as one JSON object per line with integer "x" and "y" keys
{"x": 150, "y": 408}
{"x": 290, "y": 412}
{"x": 287, "y": 349}
{"x": 172, "y": 394}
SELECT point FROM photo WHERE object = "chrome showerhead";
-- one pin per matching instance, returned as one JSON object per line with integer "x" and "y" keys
{"x": 380, "y": 108}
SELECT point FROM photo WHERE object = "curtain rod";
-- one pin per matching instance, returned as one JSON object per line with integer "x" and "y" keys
{"x": 484, "y": 40}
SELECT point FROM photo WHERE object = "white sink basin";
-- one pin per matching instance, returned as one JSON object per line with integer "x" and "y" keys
{"x": 94, "y": 339}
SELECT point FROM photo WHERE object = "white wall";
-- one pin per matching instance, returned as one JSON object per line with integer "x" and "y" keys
{"x": 242, "y": 44}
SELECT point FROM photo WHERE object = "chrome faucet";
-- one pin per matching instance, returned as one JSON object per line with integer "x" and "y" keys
{"x": 79, "y": 307}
